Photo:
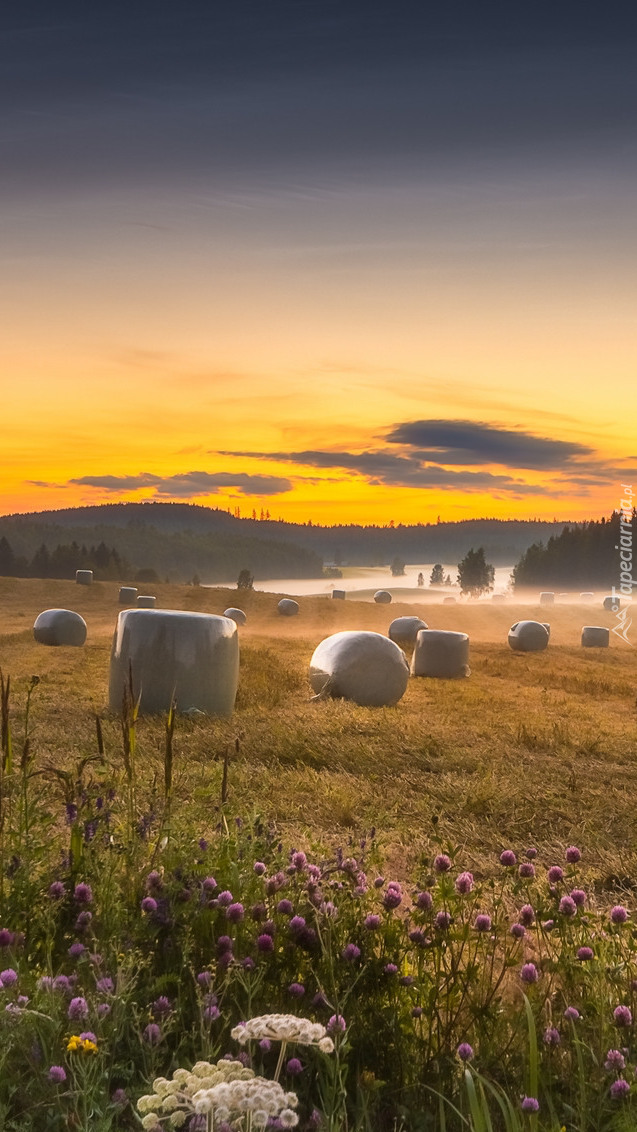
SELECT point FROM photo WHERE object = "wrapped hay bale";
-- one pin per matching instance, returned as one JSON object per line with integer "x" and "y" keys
{"x": 440, "y": 653}
{"x": 360, "y": 666}
{"x": 382, "y": 597}
{"x": 404, "y": 630}
{"x": 146, "y": 601}
{"x": 547, "y": 598}
{"x": 236, "y": 615}
{"x": 528, "y": 636}
{"x": 127, "y": 595}
{"x": 287, "y": 607}
{"x": 194, "y": 656}
{"x": 59, "y": 627}
{"x": 84, "y": 577}
{"x": 595, "y": 637}
{"x": 338, "y": 595}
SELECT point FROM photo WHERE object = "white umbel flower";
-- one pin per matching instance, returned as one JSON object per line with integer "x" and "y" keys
{"x": 280, "y": 1028}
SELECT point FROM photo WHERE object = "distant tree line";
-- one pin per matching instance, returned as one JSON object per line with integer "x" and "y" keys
{"x": 63, "y": 560}
{"x": 583, "y": 556}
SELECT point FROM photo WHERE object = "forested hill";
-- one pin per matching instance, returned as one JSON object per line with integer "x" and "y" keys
{"x": 584, "y": 556}
{"x": 180, "y": 539}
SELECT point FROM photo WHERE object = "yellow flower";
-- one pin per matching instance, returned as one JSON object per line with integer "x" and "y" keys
{"x": 76, "y": 1043}
{"x": 88, "y": 1046}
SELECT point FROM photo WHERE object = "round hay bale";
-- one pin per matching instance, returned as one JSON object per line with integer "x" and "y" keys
{"x": 440, "y": 653}
{"x": 612, "y": 604}
{"x": 448, "y": 601}
{"x": 528, "y": 636}
{"x": 146, "y": 601}
{"x": 498, "y": 597}
{"x": 595, "y": 637}
{"x": 587, "y": 596}
{"x": 127, "y": 595}
{"x": 59, "y": 627}
{"x": 547, "y": 598}
{"x": 364, "y": 667}
{"x": 84, "y": 577}
{"x": 338, "y": 595}
{"x": 236, "y": 615}
{"x": 194, "y": 656}
{"x": 404, "y": 630}
{"x": 287, "y": 607}
{"x": 547, "y": 627}
{"x": 382, "y": 597}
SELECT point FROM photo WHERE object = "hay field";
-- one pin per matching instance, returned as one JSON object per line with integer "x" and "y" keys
{"x": 531, "y": 749}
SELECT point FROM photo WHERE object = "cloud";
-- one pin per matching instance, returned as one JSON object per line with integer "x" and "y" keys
{"x": 388, "y": 470}
{"x": 187, "y": 485}
{"x": 463, "y": 443}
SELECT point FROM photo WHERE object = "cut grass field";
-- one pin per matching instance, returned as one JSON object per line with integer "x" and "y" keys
{"x": 530, "y": 749}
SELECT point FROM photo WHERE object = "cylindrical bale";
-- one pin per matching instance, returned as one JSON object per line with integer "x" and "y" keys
{"x": 595, "y": 637}
{"x": 440, "y": 653}
{"x": 528, "y": 636}
{"x": 146, "y": 601}
{"x": 586, "y": 596}
{"x": 193, "y": 656}
{"x": 404, "y": 630}
{"x": 547, "y": 627}
{"x": 59, "y": 627}
{"x": 360, "y": 666}
{"x": 612, "y": 604}
{"x": 287, "y": 607}
{"x": 382, "y": 597}
{"x": 236, "y": 615}
{"x": 84, "y": 577}
{"x": 448, "y": 601}
{"x": 338, "y": 595}
{"x": 127, "y": 595}
{"x": 547, "y": 598}
{"x": 498, "y": 597}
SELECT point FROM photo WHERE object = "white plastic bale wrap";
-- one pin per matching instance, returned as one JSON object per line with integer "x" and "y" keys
{"x": 193, "y": 655}
{"x": 287, "y": 607}
{"x": 146, "y": 601}
{"x": 448, "y": 601}
{"x": 338, "y": 595}
{"x": 84, "y": 577}
{"x": 59, "y": 627}
{"x": 528, "y": 636}
{"x": 595, "y": 637}
{"x": 498, "y": 597}
{"x": 586, "y": 596}
{"x": 382, "y": 597}
{"x": 357, "y": 665}
{"x": 612, "y": 604}
{"x": 440, "y": 653}
{"x": 404, "y": 630}
{"x": 547, "y": 598}
{"x": 236, "y": 615}
{"x": 127, "y": 595}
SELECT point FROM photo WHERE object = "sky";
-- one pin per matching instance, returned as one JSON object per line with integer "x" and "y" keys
{"x": 338, "y": 260}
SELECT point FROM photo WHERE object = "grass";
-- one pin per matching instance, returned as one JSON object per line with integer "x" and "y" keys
{"x": 537, "y": 746}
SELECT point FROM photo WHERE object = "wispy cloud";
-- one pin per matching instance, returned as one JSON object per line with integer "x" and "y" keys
{"x": 188, "y": 485}
{"x": 460, "y": 442}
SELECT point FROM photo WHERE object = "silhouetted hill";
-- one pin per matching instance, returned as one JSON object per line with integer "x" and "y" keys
{"x": 181, "y": 539}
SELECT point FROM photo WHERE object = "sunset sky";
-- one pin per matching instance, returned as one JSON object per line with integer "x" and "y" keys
{"x": 346, "y": 261}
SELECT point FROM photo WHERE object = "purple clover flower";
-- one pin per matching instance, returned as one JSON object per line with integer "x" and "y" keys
{"x": 57, "y": 1075}
{"x": 259, "y": 868}
{"x": 235, "y": 913}
{"x": 531, "y": 853}
{"x": 584, "y": 954}
{"x": 551, "y": 1036}
{"x": 105, "y": 985}
{"x": 508, "y": 858}
{"x": 351, "y": 953}
{"x": 442, "y": 863}
{"x": 568, "y": 907}
{"x": 294, "y": 1067}
{"x": 482, "y": 922}
{"x": 390, "y": 969}
{"x": 57, "y": 890}
{"x": 149, "y": 905}
{"x": 579, "y": 896}
{"x": 297, "y": 924}
{"x": 464, "y": 883}
{"x": 337, "y": 1024}
{"x": 622, "y": 1015}
{"x": 372, "y": 922}
{"x": 285, "y": 907}
{"x": 530, "y": 1104}
{"x": 526, "y": 870}
{"x": 161, "y": 1006}
{"x": 443, "y": 921}
{"x": 209, "y": 884}
{"x": 76, "y": 950}
{"x": 527, "y": 915}
{"x": 297, "y": 990}
{"x": 83, "y": 893}
{"x": 618, "y": 914}
{"x": 573, "y": 854}
{"x": 265, "y": 943}
{"x": 224, "y": 898}
{"x": 555, "y": 874}
{"x": 393, "y": 895}
{"x": 152, "y": 1034}
{"x": 529, "y": 973}
{"x": 299, "y": 860}
{"x": 571, "y": 1014}
{"x": 78, "y": 1008}
{"x": 518, "y": 931}
{"x": 619, "y": 1089}
{"x": 424, "y": 901}
{"x": 615, "y": 1060}
{"x": 9, "y": 977}
{"x": 465, "y": 1051}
